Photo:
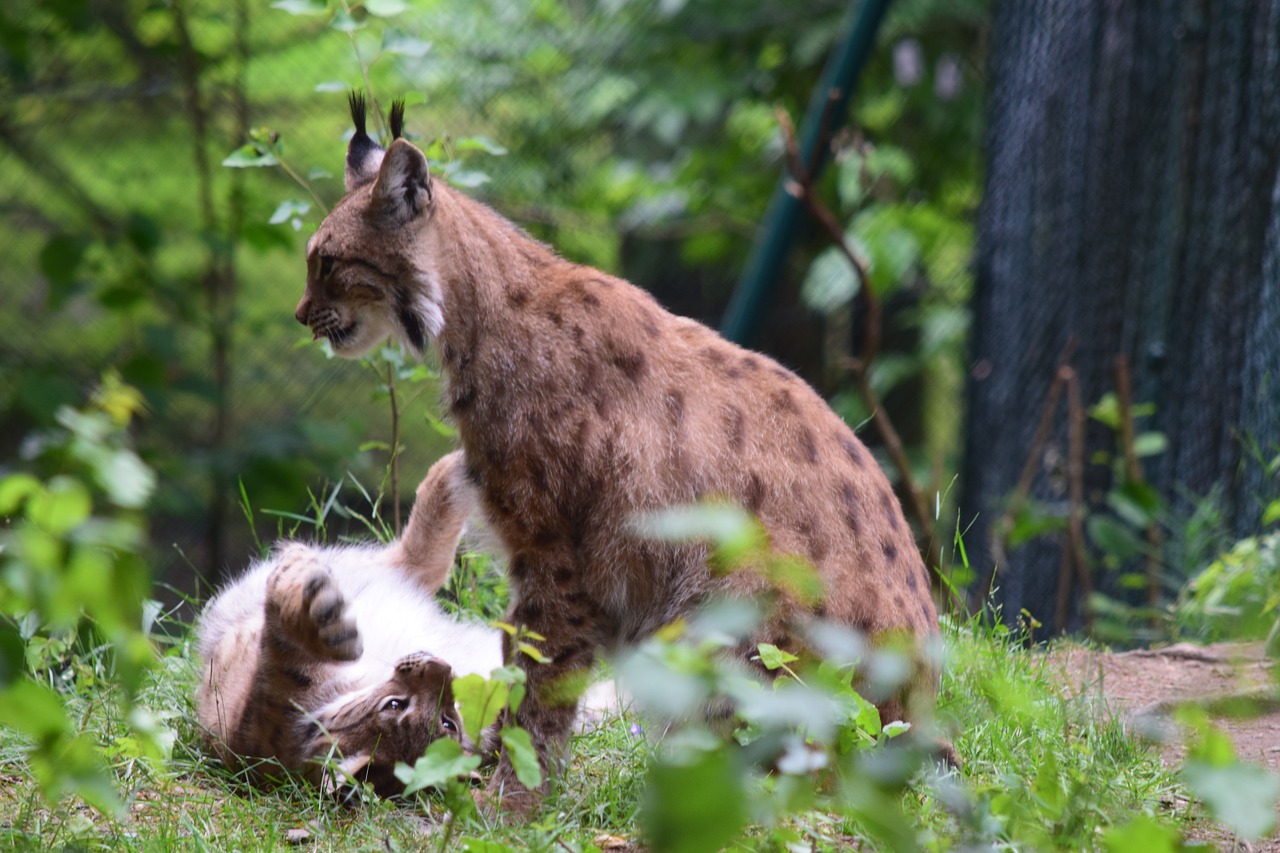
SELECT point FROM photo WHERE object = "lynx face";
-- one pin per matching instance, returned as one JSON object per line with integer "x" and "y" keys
{"x": 387, "y": 723}
{"x": 366, "y": 279}
{"x": 357, "y": 298}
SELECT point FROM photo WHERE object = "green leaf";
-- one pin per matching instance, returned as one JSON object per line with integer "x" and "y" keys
{"x": 729, "y": 526}
{"x": 1034, "y": 520}
{"x": 896, "y": 729}
{"x": 524, "y": 759}
{"x": 831, "y": 282}
{"x": 1048, "y": 790}
{"x": 1136, "y": 503}
{"x": 532, "y": 651}
{"x": 385, "y": 8}
{"x": 288, "y": 209}
{"x": 480, "y": 143}
{"x": 15, "y": 489}
{"x": 1241, "y": 795}
{"x": 1269, "y": 516}
{"x": 480, "y": 845}
{"x": 249, "y": 157}
{"x": 1150, "y": 444}
{"x": 892, "y": 162}
{"x": 125, "y": 478}
{"x": 394, "y": 41}
{"x": 442, "y": 762}
{"x": 343, "y": 22}
{"x": 468, "y": 178}
{"x": 479, "y": 701}
{"x": 301, "y": 7}
{"x": 694, "y": 804}
{"x": 61, "y": 507}
{"x": 514, "y": 677}
{"x": 773, "y": 657}
{"x": 1107, "y": 411}
{"x": 34, "y": 710}
{"x": 1142, "y": 833}
{"x": 1112, "y": 537}
{"x": 60, "y": 261}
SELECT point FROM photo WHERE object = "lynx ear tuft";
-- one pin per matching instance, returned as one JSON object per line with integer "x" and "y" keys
{"x": 364, "y": 156}
{"x": 395, "y": 119}
{"x": 403, "y": 190}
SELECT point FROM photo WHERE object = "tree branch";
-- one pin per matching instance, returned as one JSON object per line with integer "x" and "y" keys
{"x": 801, "y": 187}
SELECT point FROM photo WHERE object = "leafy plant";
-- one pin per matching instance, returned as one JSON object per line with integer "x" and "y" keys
{"x": 1237, "y": 596}
{"x": 73, "y": 593}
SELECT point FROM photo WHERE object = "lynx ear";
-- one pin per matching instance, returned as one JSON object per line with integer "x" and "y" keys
{"x": 403, "y": 190}
{"x": 364, "y": 156}
{"x": 422, "y": 671}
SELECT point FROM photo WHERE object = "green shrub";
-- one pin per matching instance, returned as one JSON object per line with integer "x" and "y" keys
{"x": 1236, "y": 597}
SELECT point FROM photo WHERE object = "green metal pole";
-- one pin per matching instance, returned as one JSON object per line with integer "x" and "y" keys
{"x": 830, "y": 101}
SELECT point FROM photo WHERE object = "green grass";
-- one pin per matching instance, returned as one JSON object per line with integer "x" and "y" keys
{"x": 1041, "y": 772}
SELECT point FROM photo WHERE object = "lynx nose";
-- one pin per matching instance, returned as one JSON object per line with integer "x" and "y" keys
{"x": 303, "y": 312}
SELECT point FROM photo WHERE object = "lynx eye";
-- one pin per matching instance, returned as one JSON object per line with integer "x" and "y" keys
{"x": 326, "y": 265}
{"x": 395, "y": 703}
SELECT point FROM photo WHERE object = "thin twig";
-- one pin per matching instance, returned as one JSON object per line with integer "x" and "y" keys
{"x": 800, "y": 187}
{"x": 803, "y": 190}
{"x": 1133, "y": 472}
{"x": 1075, "y": 469}
{"x": 300, "y": 181}
{"x": 395, "y": 446}
{"x": 1004, "y": 524}
{"x": 1063, "y": 608}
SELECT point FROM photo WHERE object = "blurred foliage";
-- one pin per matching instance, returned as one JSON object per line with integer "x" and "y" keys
{"x": 74, "y": 606}
{"x": 1237, "y": 597}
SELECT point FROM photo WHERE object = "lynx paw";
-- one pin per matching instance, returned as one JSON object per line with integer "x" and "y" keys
{"x": 303, "y": 596}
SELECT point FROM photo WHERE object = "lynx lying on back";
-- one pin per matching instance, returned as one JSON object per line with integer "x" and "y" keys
{"x": 580, "y": 402}
{"x": 323, "y": 647}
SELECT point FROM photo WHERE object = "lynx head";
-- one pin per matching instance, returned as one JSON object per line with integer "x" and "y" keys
{"x": 367, "y": 276}
{"x": 395, "y": 721}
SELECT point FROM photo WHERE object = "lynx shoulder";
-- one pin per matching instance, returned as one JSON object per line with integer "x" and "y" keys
{"x": 579, "y": 403}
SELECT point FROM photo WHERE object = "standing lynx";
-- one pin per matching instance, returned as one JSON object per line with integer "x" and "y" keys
{"x": 580, "y": 402}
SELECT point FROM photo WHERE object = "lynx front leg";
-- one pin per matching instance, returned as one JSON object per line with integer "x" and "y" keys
{"x": 306, "y": 626}
{"x": 444, "y": 500}
{"x": 306, "y": 606}
{"x": 574, "y": 628}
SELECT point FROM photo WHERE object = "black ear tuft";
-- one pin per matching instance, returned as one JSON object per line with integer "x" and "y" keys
{"x": 358, "y": 109}
{"x": 396, "y": 118}
{"x": 364, "y": 156}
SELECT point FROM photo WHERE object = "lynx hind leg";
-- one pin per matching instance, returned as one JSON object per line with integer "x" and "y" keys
{"x": 304, "y": 602}
{"x": 444, "y": 500}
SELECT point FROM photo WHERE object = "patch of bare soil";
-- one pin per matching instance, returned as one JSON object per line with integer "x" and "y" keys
{"x": 1146, "y": 685}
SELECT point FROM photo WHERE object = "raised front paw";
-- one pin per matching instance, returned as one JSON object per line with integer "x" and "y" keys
{"x": 305, "y": 603}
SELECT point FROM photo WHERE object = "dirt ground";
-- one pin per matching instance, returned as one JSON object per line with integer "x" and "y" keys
{"x": 1145, "y": 685}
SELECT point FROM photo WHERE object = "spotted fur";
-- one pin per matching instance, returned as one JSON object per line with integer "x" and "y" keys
{"x": 580, "y": 402}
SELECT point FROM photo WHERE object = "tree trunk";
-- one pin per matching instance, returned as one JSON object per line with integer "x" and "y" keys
{"x": 1132, "y": 208}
